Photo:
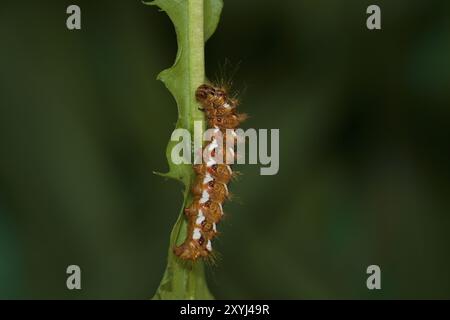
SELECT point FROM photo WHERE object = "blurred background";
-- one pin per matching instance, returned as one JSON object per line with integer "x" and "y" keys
{"x": 364, "y": 132}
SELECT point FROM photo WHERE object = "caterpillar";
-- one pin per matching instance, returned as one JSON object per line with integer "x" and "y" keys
{"x": 210, "y": 189}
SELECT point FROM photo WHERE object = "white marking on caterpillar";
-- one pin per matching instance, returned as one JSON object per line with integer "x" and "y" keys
{"x": 197, "y": 235}
{"x": 209, "y": 245}
{"x": 211, "y": 161}
{"x": 200, "y": 218}
{"x": 208, "y": 178}
{"x": 214, "y": 227}
{"x": 205, "y": 197}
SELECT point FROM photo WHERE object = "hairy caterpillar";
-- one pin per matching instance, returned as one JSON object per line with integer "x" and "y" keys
{"x": 210, "y": 189}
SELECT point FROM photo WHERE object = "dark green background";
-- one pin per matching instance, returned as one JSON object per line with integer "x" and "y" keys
{"x": 364, "y": 124}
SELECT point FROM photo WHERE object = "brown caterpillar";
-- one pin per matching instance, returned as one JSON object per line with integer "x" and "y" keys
{"x": 210, "y": 189}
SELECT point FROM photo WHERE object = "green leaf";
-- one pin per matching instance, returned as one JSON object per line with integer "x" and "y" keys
{"x": 195, "y": 21}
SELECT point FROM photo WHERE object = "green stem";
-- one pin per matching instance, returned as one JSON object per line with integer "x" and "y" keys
{"x": 195, "y": 21}
{"x": 196, "y": 40}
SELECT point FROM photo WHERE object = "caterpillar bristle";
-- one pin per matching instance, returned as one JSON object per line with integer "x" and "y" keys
{"x": 210, "y": 189}
{"x": 236, "y": 176}
{"x": 213, "y": 258}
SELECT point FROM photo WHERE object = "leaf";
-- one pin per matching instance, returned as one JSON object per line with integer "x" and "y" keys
{"x": 195, "y": 21}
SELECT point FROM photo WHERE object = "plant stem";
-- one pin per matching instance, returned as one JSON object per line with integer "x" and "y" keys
{"x": 182, "y": 280}
{"x": 196, "y": 40}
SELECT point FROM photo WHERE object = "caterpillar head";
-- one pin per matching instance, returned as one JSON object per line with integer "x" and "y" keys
{"x": 210, "y": 97}
{"x": 204, "y": 93}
